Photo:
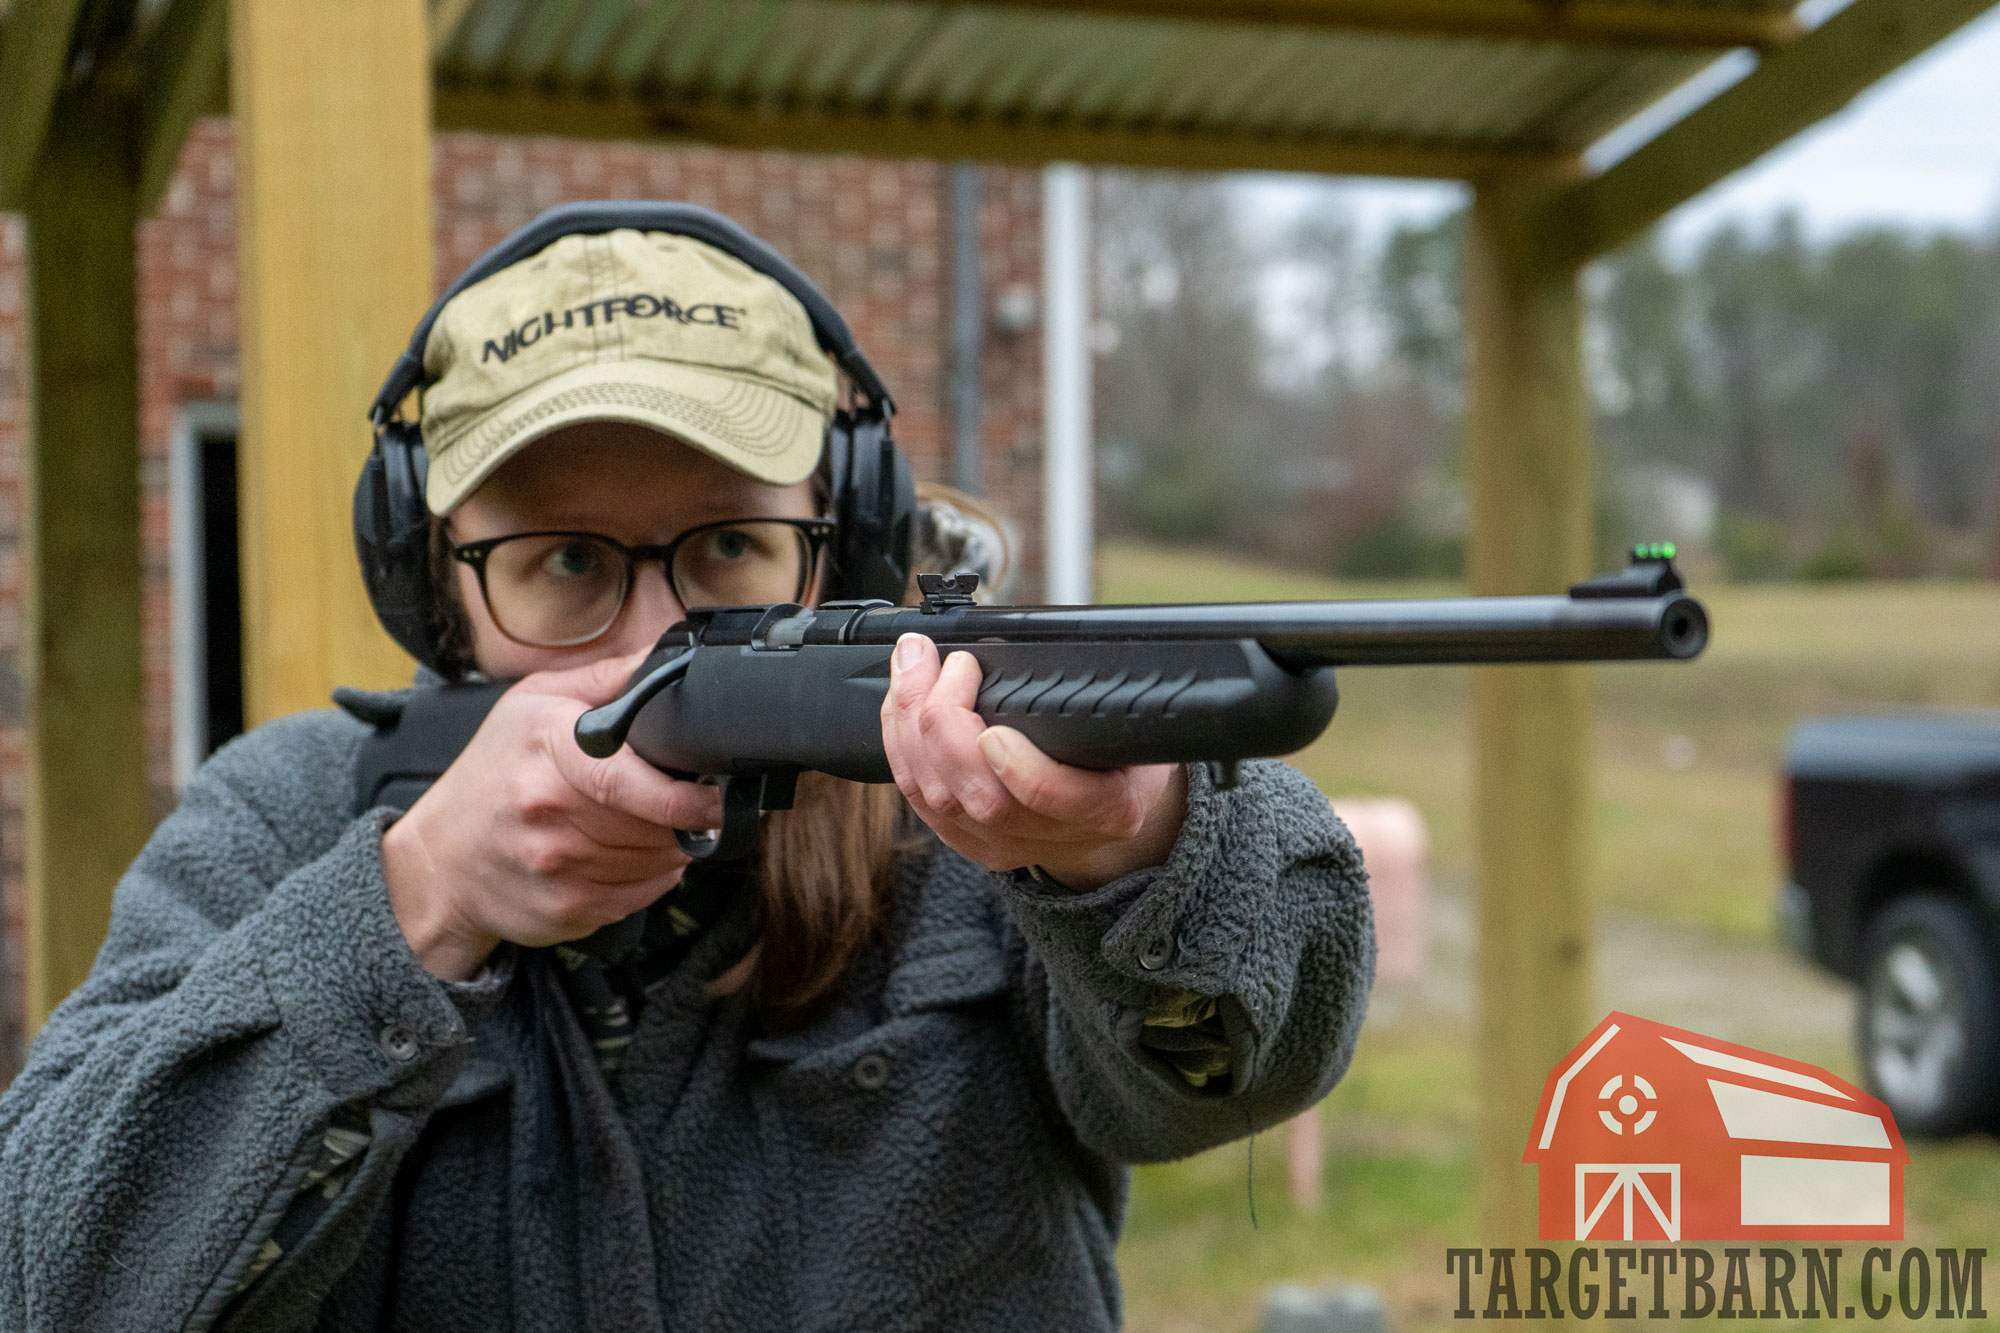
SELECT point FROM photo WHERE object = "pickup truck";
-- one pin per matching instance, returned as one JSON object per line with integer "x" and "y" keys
{"x": 1891, "y": 832}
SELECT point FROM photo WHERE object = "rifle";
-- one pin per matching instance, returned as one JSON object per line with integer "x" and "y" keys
{"x": 753, "y": 696}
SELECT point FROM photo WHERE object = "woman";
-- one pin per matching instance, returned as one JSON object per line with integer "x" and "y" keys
{"x": 385, "y": 1070}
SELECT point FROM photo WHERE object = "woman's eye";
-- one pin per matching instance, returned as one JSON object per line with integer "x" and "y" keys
{"x": 573, "y": 560}
{"x": 732, "y": 545}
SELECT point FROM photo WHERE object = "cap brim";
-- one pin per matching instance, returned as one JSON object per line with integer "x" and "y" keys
{"x": 755, "y": 428}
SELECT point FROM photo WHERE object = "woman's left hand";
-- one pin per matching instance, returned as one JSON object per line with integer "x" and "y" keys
{"x": 993, "y": 796}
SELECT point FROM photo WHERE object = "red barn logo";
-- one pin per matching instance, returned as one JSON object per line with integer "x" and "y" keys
{"x": 1648, "y": 1132}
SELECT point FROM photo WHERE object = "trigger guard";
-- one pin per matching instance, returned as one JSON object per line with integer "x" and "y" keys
{"x": 742, "y": 815}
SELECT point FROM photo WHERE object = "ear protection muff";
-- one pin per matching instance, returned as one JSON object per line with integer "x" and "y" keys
{"x": 392, "y": 528}
{"x": 874, "y": 509}
{"x": 873, "y": 495}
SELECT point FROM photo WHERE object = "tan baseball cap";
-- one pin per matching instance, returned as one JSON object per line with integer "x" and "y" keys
{"x": 647, "y": 327}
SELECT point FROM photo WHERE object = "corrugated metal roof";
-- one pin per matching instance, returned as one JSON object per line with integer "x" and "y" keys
{"x": 1022, "y": 70}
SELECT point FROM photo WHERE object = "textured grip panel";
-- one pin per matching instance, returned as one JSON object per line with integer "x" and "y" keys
{"x": 1108, "y": 705}
{"x": 1080, "y": 693}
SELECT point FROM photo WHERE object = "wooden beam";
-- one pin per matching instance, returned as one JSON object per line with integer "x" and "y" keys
{"x": 1576, "y": 22}
{"x": 1791, "y": 89}
{"x": 818, "y": 131}
{"x": 88, "y": 810}
{"x": 1529, "y": 453}
{"x": 446, "y": 15}
{"x": 34, "y": 57}
{"x": 184, "y": 66}
{"x": 332, "y": 107}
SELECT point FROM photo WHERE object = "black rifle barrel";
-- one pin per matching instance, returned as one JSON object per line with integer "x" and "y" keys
{"x": 1300, "y": 635}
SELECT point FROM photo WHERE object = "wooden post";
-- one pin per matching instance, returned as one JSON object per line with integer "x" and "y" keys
{"x": 332, "y": 107}
{"x": 87, "y": 805}
{"x": 1528, "y": 432}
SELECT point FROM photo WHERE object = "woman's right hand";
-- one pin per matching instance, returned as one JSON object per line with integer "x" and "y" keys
{"x": 526, "y": 838}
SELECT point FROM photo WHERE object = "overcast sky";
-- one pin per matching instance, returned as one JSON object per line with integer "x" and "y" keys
{"x": 1921, "y": 149}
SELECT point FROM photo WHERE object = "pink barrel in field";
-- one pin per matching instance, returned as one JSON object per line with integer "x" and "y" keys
{"x": 1391, "y": 836}
{"x": 1390, "y": 833}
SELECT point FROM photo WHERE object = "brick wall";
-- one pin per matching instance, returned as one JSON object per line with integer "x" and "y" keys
{"x": 872, "y": 233}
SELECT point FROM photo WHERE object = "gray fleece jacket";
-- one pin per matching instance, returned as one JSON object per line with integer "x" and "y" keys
{"x": 259, "y": 1112}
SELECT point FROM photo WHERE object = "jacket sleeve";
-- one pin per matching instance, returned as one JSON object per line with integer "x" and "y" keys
{"x": 253, "y": 1018}
{"x": 1198, "y": 1001}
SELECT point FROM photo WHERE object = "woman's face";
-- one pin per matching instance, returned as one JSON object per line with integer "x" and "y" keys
{"x": 620, "y": 481}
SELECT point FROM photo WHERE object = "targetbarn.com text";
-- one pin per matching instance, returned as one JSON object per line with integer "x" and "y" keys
{"x": 1674, "y": 1283}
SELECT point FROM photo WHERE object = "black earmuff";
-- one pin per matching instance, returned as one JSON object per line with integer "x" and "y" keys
{"x": 392, "y": 527}
{"x": 873, "y": 495}
{"x": 874, "y": 508}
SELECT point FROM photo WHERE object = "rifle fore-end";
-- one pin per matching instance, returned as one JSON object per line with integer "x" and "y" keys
{"x": 743, "y": 709}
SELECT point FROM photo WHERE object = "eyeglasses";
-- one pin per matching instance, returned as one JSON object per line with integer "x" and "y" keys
{"x": 560, "y": 589}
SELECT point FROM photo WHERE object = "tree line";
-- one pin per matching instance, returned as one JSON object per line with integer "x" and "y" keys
{"x": 1791, "y": 407}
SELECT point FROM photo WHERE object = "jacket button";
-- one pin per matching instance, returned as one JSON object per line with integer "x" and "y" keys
{"x": 398, "y": 1043}
{"x": 871, "y": 1071}
{"x": 1154, "y": 953}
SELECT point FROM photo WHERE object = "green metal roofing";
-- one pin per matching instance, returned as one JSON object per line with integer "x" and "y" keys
{"x": 1485, "y": 90}
{"x": 1024, "y": 69}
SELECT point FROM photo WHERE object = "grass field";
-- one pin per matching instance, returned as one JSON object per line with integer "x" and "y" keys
{"x": 1685, "y": 872}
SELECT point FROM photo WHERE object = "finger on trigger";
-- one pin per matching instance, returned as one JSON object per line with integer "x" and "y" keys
{"x": 682, "y": 805}
{"x": 628, "y": 784}
{"x": 614, "y": 830}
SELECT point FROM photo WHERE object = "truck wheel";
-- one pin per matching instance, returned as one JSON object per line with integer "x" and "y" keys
{"x": 1930, "y": 1015}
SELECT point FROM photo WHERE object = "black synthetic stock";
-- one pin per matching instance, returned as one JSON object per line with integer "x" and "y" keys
{"x": 740, "y": 709}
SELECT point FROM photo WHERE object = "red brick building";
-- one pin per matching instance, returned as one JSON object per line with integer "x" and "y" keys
{"x": 874, "y": 234}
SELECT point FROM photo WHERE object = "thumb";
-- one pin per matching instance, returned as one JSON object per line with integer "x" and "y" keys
{"x": 593, "y": 683}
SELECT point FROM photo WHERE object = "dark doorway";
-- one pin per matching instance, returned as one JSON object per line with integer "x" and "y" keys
{"x": 207, "y": 585}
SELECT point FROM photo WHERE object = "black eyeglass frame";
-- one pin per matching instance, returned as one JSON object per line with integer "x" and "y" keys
{"x": 816, "y": 532}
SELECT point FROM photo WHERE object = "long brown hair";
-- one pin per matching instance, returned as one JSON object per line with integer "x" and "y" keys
{"x": 825, "y": 870}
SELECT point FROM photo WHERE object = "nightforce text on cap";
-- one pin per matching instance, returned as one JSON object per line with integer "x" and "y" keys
{"x": 650, "y": 328}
